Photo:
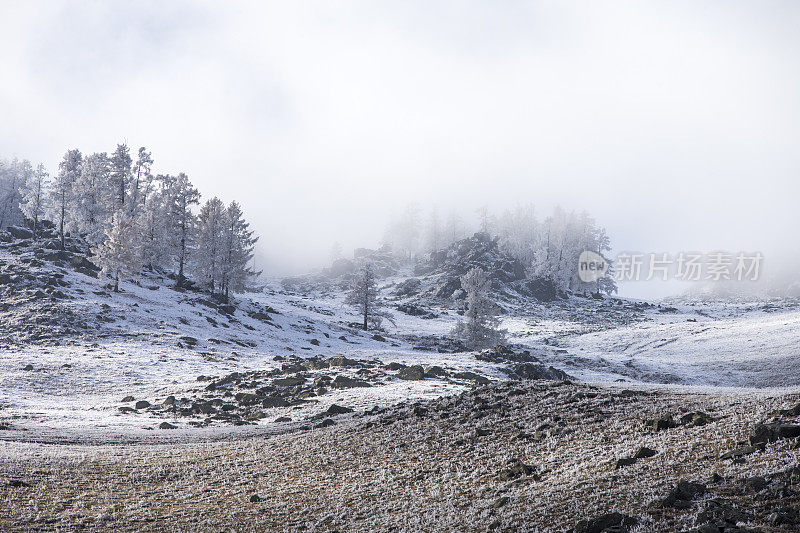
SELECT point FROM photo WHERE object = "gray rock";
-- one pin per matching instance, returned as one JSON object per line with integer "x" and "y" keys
{"x": 412, "y": 373}
{"x": 335, "y": 409}
{"x": 344, "y": 382}
{"x": 472, "y": 376}
{"x": 684, "y": 492}
{"x": 19, "y": 233}
{"x": 607, "y": 523}
{"x": 644, "y": 452}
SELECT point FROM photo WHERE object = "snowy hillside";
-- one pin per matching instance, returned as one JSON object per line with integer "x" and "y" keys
{"x": 79, "y": 360}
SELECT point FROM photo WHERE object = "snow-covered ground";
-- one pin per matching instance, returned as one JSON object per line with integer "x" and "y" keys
{"x": 752, "y": 349}
{"x": 150, "y": 341}
{"x": 157, "y": 342}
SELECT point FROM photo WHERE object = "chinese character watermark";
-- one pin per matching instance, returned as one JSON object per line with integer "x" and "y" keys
{"x": 685, "y": 266}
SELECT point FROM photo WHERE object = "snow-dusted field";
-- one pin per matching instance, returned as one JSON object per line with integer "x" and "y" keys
{"x": 72, "y": 390}
{"x": 150, "y": 342}
{"x": 751, "y": 350}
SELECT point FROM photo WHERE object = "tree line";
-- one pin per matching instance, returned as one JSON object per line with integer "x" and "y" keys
{"x": 132, "y": 218}
{"x": 548, "y": 247}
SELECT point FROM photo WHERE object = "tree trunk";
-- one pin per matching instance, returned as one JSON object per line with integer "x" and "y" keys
{"x": 180, "y": 263}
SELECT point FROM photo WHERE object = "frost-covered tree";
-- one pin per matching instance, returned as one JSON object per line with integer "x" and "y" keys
{"x": 120, "y": 176}
{"x": 403, "y": 233}
{"x": 210, "y": 245}
{"x": 363, "y": 296}
{"x": 181, "y": 196}
{"x": 90, "y": 216}
{"x": 142, "y": 184}
{"x": 238, "y": 245}
{"x": 454, "y": 229}
{"x": 155, "y": 224}
{"x": 118, "y": 256}
{"x": 13, "y": 177}
{"x": 519, "y": 233}
{"x": 62, "y": 191}
{"x": 434, "y": 235}
{"x": 480, "y": 327}
{"x": 34, "y": 196}
{"x": 550, "y": 249}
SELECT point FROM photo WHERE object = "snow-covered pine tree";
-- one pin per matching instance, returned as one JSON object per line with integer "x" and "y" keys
{"x": 142, "y": 184}
{"x": 208, "y": 261}
{"x": 239, "y": 244}
{"x": 119, "y": 256}
{"x": 120, "y": 176}
{"x": 90, "y": 216}
{"x": 181, "y": 196}
{"x": 363, "y": 296}
{"x": 34, "y": 196}
{"x": 607, "y": 284}
{"x": 13, "y": 177}
{"x": 61, "y": 192}
{"x": 480, "y": 329}
{"x": 154, "y": 223}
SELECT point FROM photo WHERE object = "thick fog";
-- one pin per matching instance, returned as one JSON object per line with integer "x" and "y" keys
{"x": 674, "y": 124}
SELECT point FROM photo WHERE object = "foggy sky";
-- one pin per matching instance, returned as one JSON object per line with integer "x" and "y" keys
{"x": 675, "y": 124}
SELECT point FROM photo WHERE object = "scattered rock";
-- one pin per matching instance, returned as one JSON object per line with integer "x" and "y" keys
{"x": 273, "y": 401}
{"x": 408, "y": 287}
{"x": 142, "y": 404}
{"x": 538, "y": 371}
{"x": 289, "y": 382}
{"x": 684, "y": 492}
{"x": 607, "y": 523}
{"x": 166, "y": 425}
{"x": 472, "y": 376}
{"x": 739, "y": 452}
{"x": 412, "y": 373}
{"x": 338, "y": 410}
{"x": 663, "y": 423}
{"x": 626, "y": 461}
{"x": 763, "y": 433}
{"x": 644, "y": 452}
{"x": 19, "y": 233}
{"x": 517, "y": 470}
{"x": 500, "y": 502}
{"x": 435, "y": 372}
{"x": 344, "y": 382}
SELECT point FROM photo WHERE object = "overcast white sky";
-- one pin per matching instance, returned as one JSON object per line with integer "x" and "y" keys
{"x": 676, "y": 124}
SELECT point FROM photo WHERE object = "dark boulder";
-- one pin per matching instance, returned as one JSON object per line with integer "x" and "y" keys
{"x": 408, "y": 287}
{"x": 683, "y": 493}
{"x": 607, "y": 523}
{"x": 19, "y": 233}
{"x": 411, "y": 373}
